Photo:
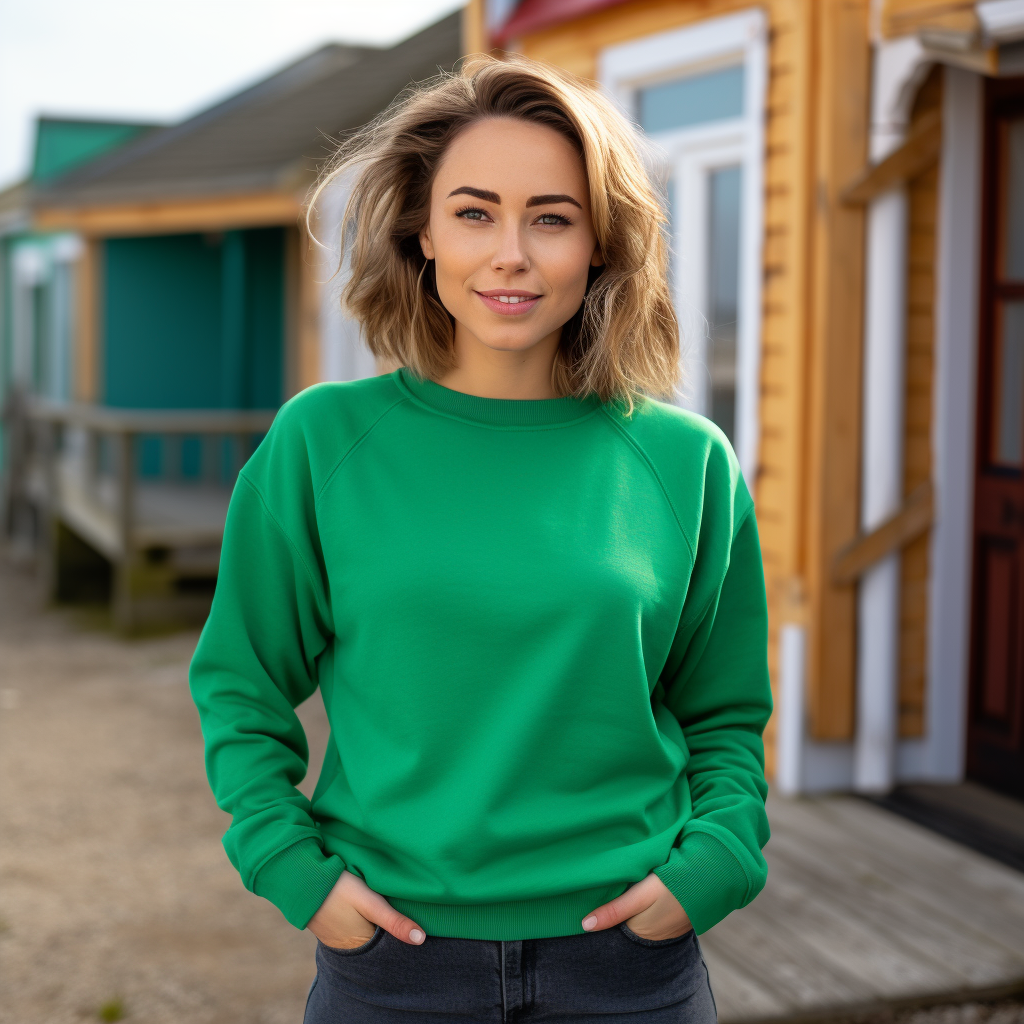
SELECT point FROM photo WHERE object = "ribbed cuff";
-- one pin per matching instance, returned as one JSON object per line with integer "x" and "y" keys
{"x": 298, "y": 879}
{"x": 707, "y": 879}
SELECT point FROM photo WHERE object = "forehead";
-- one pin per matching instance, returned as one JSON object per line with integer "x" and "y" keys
{"x": 514, "y": 158}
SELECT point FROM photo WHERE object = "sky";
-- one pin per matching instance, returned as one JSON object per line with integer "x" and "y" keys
{"x": 162, "y": 60}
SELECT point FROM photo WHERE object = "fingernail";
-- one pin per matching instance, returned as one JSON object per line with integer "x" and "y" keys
{"x": 589, "y": 922}
{"x": 416, "y": 935}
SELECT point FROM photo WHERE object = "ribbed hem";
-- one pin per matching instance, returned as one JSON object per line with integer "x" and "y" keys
{"x": 495, "y": 412}
{"x": 706, "y": 878}
{"x": 543, "y": 918}
{"x": 298, "y": 879}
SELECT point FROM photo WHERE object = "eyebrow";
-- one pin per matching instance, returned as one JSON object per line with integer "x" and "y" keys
{"x": 493, "y": 197}
{"x": 548, "y": 200}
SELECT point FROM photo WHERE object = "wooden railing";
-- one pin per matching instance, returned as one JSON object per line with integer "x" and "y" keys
{"x": 71, "y": 491}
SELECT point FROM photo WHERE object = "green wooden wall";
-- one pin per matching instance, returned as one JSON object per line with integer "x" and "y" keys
{"x": 194, "y": 321}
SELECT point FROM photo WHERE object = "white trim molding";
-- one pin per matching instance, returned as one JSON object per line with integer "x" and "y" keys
{"x": 687, "y": 155}
{"x": 1002, "y": 21}
{"x": 940, "y": 754}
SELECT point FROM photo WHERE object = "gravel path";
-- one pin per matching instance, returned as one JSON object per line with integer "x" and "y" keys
{"x": 116, "y": 896}
{"x": 114, "y": 886}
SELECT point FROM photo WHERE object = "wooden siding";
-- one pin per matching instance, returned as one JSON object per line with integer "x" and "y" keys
{"x": 815, "y": 144}
{"x": 903, "y": 17}
{"x": 836, "y": 291}
{"x": 216, "y": 213}
{"x": 474, "y": 31}
{"x": 86, "y": 356}
{"x": 917, "y": 468}
{"x": 307, "y": 326}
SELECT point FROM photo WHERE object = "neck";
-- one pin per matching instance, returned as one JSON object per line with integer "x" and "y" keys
{"x": 502, "y": 373}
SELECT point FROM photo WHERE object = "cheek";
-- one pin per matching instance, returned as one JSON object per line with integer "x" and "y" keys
{"x": 456, "y": 255}
{"x": 567, "y": 267}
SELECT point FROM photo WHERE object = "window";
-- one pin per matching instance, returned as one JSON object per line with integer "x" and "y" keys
{"x": 698, "y": 94}
{"x": 697, "y": 99}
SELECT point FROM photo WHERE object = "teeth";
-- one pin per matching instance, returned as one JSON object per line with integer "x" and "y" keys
{"x": 512, "y": 298}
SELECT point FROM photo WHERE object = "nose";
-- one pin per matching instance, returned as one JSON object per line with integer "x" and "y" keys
{"x": 510, "y": 254}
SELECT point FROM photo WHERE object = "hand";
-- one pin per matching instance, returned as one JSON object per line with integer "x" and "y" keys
{"x": 346, "y": 918}
{"x": 648, "y": 908}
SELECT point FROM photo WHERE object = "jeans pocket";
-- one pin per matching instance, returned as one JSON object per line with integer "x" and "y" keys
{"x": 373, "y": 940}
{"x": 641, "y": 941}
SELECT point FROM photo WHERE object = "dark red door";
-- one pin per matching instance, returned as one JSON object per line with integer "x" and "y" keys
{"x": 995, "y": 736}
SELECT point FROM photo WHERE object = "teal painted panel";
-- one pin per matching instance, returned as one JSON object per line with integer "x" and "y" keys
{"x": 149, "y": 452}
{"x": 63, "y": 145}
{"x": 234, "y": 371}
{"x": 264, "y": 315}
{"x": 162, "y": 316}
{"x": 714, "y": 96}
{"x": 194, "y": 321}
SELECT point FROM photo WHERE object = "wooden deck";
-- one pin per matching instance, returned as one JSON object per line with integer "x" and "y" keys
{"x": 864, "y": 909}
{"x": 167, "y": 514}
{"x": 161, "y": 536}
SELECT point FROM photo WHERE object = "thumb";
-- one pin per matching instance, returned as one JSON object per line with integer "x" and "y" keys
{"x": 377, "y": 910}
{"x": 634, "y": 900}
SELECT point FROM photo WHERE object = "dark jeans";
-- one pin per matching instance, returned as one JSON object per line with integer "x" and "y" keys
{"x": 607, "y": 976}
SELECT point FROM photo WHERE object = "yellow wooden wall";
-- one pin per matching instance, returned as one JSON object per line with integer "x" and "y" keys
{"x": 922, "y": 194}
{"x": 902, "y": 17}
{"x": 806, "y": 485}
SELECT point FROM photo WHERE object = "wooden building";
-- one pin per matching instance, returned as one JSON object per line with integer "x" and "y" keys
{"x": 844, "y": 183}
{"x": 36, "y": 294}
{"x": 200, "y": 305}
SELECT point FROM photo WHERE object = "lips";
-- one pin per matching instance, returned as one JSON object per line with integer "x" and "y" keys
{"x": 509, "y": 303}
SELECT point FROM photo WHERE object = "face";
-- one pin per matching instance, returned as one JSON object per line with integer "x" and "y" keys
{"x": 511, "y": 235}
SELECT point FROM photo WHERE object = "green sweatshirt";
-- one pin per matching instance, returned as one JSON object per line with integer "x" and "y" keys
{"x": 539, "y": 629}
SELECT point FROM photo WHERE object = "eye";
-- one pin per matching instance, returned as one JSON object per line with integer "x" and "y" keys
{"x": 553, "y": 218}
{"x": 471, "y": 213}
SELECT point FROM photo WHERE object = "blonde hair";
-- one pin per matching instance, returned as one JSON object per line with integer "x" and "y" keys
{"x": 623, "y": 342}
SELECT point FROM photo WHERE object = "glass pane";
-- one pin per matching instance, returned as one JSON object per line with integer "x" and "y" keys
{"x": 1009, "y": 387}
{"x": 724, "y": 188}
{"x": 714, "y": 96}
{"x": 1014, "y": 227}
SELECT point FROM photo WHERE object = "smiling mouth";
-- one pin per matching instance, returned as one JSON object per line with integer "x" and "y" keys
{"x": 509, "y": 303}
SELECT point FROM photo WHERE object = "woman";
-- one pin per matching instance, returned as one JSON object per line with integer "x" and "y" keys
{"x": 530, "y": 593}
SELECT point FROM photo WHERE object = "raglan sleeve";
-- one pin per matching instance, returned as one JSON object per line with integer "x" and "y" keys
{"x": 716, "y": 683}
{"x": 255, "y": 662}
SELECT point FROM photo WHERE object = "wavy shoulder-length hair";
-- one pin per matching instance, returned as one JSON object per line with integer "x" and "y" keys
{"x": 622, "y": 343}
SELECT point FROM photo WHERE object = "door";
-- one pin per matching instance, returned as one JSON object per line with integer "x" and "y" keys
{"x": 995, "y": 738}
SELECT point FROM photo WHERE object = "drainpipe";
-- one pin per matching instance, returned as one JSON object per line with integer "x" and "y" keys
{"x": 878, "y": 599}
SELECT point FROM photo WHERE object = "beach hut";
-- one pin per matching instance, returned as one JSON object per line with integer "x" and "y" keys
{"x": 38, "y": 290}
{"x": 200, "y": 309}
{"x": 845, "y": 187}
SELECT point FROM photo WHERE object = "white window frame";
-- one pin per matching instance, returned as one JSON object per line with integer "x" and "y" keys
{"x": 690, "y": 153}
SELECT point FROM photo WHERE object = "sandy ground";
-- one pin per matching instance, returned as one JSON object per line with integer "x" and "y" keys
{"x": 113, "y": 881}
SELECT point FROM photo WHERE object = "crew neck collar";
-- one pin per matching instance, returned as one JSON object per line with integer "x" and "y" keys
{"x": 497, "y": 412}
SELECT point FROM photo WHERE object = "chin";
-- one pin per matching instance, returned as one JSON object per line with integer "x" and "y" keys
{"x": 509, "y": 341}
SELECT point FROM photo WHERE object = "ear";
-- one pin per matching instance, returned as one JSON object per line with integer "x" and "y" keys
{"x": 425, "y": 243}
{"x": 597, "y": 260}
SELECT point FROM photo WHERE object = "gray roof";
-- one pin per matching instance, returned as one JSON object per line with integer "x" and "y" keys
{"x": 270, "y": 136}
